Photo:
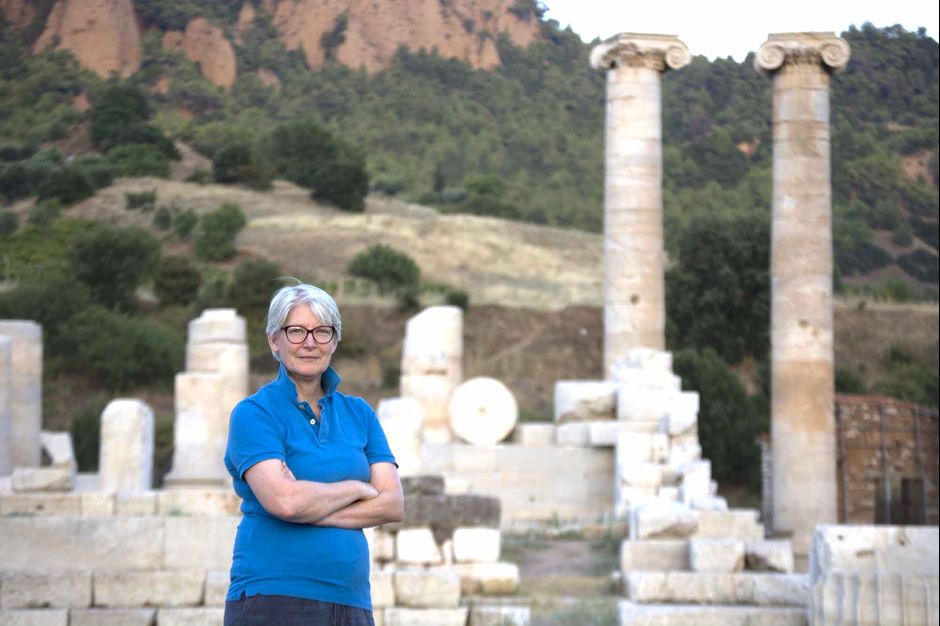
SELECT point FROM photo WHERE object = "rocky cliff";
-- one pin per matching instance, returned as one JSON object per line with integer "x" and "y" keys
{"x": 105, "y": 35}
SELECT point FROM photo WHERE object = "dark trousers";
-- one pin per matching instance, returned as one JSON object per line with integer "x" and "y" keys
{"x": 261, "y": 610}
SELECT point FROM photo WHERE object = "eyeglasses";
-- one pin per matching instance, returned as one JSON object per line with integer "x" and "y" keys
{"x": 298, "y": 334}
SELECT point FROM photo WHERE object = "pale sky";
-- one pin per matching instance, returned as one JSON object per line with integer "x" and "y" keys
{"x": 720, "y": 28}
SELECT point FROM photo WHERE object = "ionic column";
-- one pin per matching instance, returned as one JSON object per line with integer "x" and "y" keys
{"x": 634, "y": 294}
{"x": 802, "y": 379}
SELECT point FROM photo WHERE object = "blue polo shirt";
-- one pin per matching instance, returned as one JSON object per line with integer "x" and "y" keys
{"x": 274, "y": 557}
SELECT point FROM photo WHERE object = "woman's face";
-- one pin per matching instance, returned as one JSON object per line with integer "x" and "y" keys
{"x": 306, "y": 360}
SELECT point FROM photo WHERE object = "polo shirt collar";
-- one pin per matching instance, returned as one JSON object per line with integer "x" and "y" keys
{"x": 330, "y": 380}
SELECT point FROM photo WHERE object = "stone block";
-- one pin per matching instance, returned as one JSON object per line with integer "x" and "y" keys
{"x": 30, "y": 589}
{"x": 634, "y": 447}
{"x": 660, "y": 448}
{"x": 871, "y": 599}
{"x": 24, "y": 394}
{"x": 199, "y": 616}
{"x": 217, "y": 325}
{"x": 715, "y": 588}
{"x": 401, "y": 422}
{"x": 635, "y": 378}
{"x": 668, "y": 492}
{"x": 738, "y": 524}
{"x": 30, "y": 479}
{"x": 383, "y": 588}
{"x": 455, "y": 486}
{"x": 494, "y": 579}
{"x": 96, "y": 504}
{"x": 149, "y": 588}
{"x": 125, "y": 458}
{"x": 499, "y": 615}
{"x": 648, "y": 359}
{"x": 604, "y": 433}
{"x": 209, "y": 502}
{"x": 432, "y": 587}
{"x": 573, "y": 434}
{"x": 696, "y": 481}
{"x": 662, "y": 520}
{"x": 34, "y": 617}
{"x": 6, "y": 415}
{"x": 709, "y": 503}
{"x": 637, "y": 614}
{"x": 627, "y": 498}
{"x": 426, "y": 617}
{"x": 770, "y": 555}
{"x": 870, "y": 549}
{"x": 481, "y": 545}
{"x": 432, "y": 392}
{"x": 200, "y": 431}
{"x": 417, "y": 546}
{"x": 58, "y": 446}
{"x": 581, "y": 400}
{"x": 199, "y": 542}
{"x": 474, "y": 458}
{"x": 423, "y": 485}
{"x": 640, "y": 404}
{"x": 654, "y": 555}
{"x": 39, "y": 543}
{"x": 444, "y": 513}
{"x": 642, "y": 474}
{"x": 682, "y": 413}
{"x": 716, "y": 555}
{"x": 41, "y": 504}
{"x": 483, "y": 411}
{"x": 535, "y": 435}
{"x": 383, "y": 546}
{"x": 683, "y": 453}
{"x": 217, "y": 583}
{"x": 136, "y": 504}
{"x": 112, "y": 617}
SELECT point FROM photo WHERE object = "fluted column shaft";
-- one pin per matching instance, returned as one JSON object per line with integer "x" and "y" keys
{"x": 802, "y": 377}
{"x": 634, "y": 290}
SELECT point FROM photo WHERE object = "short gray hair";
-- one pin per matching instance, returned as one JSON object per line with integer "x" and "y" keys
{"x": 320, "y": 302}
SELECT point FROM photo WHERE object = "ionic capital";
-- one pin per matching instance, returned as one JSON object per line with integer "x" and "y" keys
{"x": 657, "y": 52}
{"x": 803, "y": 48}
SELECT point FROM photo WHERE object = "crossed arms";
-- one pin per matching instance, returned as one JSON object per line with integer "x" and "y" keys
{"x": 343, "y": 504}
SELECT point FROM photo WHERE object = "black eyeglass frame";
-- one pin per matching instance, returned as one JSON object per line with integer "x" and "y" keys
{"x": 310, "y": 332}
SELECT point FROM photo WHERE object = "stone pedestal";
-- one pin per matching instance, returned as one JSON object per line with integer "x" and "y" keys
{"x": 125, "y": 462}
{"x": 802, "y": 409}
{"x": 431, "y": 365}
{"x": 24, "y": 395}
{"x": 215, "y": 380}
{"x": 6, "y": 416}
{"x": 634, "y": 292}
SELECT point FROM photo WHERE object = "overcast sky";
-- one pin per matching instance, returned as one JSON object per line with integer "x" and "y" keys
{"x": 720, "y": 28}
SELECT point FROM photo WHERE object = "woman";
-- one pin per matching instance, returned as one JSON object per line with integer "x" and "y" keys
{"x": 313, "y": 468}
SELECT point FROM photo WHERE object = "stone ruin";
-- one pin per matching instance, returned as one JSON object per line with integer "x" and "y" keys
{"x": 620, "y": 450}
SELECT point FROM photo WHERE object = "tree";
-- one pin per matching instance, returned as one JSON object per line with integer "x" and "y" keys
{"x": 718, "y": 291}
{"x": 176, "y": 280}
{"x": 113, "y": 262}
{"x": 215, "y": 240}
{"x": 254, "y": 281}
{"x": 391, "y": 269}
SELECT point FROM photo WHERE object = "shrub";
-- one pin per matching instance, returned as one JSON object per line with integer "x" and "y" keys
{"x": 85, "y": 430}
{"x": 139, "y": 160}
{"x": 123, "y": 351}
{"x": 113, "y": 262}
{"x": 254, "y": 281}
{"x": 390, "y": 269}
{"x": 215, "y": 240}
{"x": 176, "y": 280}
{"x": 229, "y": 160}
{"x": 68, "y": 183}
{"x": 9, "y": 222}
{"x": 43, "y": 212}
{"x": 920, "y": 264}
{"x": 343, "y": 181}
{"x": 184, "y": 223}
{"x": 140, "y": 199}
{"x": 163, "y": 218}
{"x": 458, "y": 297}
{"x": 728, "y": 421}
{"x": 51, "y": 302}
{"x": 98, "y": 169}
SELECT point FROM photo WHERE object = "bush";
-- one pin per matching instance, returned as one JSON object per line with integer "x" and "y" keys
{"x": 343, "y": 181}
{"x": 43, "y": 212}
{"x": 184, "y": 223}
{"x": 85, "y": 430}
{"x": 176, "y": 280}
{"x": 113, "y": 262}
{"x": 921, "y": 265}
{"x": 163, "y": 218}
{"x": 458, "y": 297}
{"x": 215, "y": 240}
{"x": 123, "y": 351}
{"x": 9, "y": 222}
{"x": 254, "y": 281}
{"x": 68, "y": 183}
{"x": 728, "y": 421}
{"x": 51, "y": 302}
{"x": 390, "y": 269}
{"x": 229, "y": 160}
{"x": 145, "y": 200}
{"x": 139, "y": 160}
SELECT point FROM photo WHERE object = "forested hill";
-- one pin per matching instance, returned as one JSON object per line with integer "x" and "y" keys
{"x": 523, "y": 140}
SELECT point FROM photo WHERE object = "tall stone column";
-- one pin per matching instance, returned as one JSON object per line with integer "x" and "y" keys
{"x": 24, "y": 395}
{"x": 802, "y": 378}
{"x": 634, "y": 290}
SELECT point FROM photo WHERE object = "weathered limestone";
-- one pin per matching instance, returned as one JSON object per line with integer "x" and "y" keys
{"x": 492, "y": 579}
{"x": 401, "y": 422}
{"x": 34, "y": 617}
{"x": 634, "y": 293}
{"x": 802, "y": 374}
{"x": 417, "y": 546}
{"x": 654, "y": 555}
{"x": 215, "y": 380}
{"x": 499, "y": 615}
{"x": 217, "y": 583}
{"x": 713, "y": 588}
{"x": 193, "y": 616}
{"x": 112, "y": 617}
{"x": 434, "y": 587}
{"x": 431, "y": 365}
{"x": 149, "y": 588}
{"x": 716, "y": 555}
{"x": 704, "y": 615}
{"x": 6, "y": 417}
{"x": 477, "y": 545}
{"x": 772, "y": 555}
{"x": 125, "y": 458}
{"x": 30, "y": 589}
{"x": 58, "y": 475}
{"x": 382, "y": 583}
{"x": 482, "y": 411}
{"x": 24, "y": 395}
{"x": 657, "y": 519}
{"x": 580, "y": 400}
{"x": 875, "y": 550}
{"x": 426, "y": 617}
{"x": 534, "y": 435}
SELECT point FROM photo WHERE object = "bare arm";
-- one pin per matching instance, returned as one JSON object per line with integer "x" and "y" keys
{"x": 302, "y": 501}
{"x": 388, "y": 506}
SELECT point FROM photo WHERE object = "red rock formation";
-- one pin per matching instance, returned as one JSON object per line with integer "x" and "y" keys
{"x": 19, "y": 13}
{"x": 102, "y": 34}
{"x": 206, "y": 45}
